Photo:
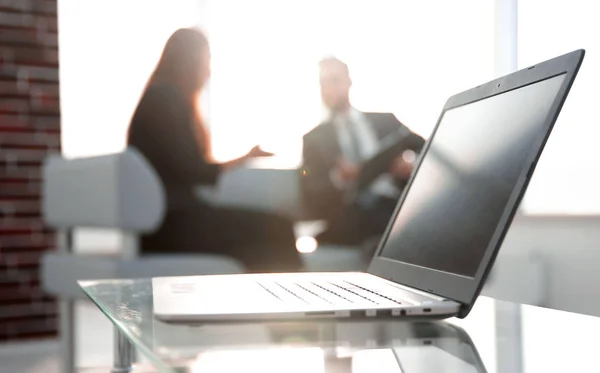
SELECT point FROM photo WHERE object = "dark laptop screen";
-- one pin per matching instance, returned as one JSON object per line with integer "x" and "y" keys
{"x": 465, "y": 180}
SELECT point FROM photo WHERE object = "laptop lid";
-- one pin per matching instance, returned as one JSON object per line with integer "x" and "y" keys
{"x": 472, "y": 173}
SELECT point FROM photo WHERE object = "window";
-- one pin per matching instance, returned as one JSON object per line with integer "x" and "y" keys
{"x": 107, "y": 52}
{"x": 566, "y": 180}
{"x": 404, "y": 58}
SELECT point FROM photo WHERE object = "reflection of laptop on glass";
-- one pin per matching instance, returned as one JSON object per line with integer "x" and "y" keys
{"x": 434, "y": 347}
{"x": 445, "y": 233}
{"x": 429, "y": 347}
{"x": 438, "y": 347}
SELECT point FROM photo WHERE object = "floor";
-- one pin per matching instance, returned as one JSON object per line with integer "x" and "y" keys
{"x": 94, "y": 331}
{"x": 94, "y": 336}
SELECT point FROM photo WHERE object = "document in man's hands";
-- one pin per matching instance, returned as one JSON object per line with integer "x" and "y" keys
{"x": 391, "y": 146}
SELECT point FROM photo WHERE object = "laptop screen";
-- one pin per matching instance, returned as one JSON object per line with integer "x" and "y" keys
{"x": 460, "y": 191}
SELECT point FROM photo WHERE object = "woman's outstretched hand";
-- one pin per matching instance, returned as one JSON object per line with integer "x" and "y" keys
{"x": 257, "y": 152}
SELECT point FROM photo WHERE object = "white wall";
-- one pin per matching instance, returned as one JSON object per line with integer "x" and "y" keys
{"x": 568, "y": 249}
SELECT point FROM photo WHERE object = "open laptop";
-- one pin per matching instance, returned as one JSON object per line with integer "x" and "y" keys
{"x": 444, "y": 235}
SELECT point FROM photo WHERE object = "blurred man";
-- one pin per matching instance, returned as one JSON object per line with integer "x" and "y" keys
{"x": 333, "y": 152}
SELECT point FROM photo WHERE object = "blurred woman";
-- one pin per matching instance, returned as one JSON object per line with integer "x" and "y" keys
{"x": 168, "y": 129}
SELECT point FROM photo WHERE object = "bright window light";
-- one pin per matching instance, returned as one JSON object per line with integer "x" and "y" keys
{"x": 404, "y": 58}
{"x": 107, "y": 51}
{"x": 566, "y": 180}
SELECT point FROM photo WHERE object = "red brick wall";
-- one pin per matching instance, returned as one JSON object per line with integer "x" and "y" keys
{"x": 29, "y": 130}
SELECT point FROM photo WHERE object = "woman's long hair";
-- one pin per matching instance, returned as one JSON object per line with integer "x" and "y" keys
{"x": 181, "y": 65}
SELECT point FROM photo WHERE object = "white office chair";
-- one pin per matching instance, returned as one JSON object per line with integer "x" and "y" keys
{"x": 121, "y": 192}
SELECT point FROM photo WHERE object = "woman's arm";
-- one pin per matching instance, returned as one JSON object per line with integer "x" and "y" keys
{"x": 162, "y": 130}
{"x": 226, "y": 166}
{"x": 253, "y": 153}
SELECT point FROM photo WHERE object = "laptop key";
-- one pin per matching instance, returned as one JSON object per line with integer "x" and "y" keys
{"x": 378, "y": 293}
{"x": 286, "y": 296}
{"x": 364, "y": 293}
{"x": 305, "y": 293}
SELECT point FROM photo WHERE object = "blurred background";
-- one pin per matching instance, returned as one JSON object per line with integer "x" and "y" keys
{"x": 76, "y": 68}
{"x": 405, "y": 58}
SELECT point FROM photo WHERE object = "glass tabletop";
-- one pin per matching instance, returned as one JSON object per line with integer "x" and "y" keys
{"x": 495, "y": 337}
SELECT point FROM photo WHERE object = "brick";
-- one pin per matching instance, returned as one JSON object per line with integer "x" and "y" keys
{"x": 29, "y": 310}
{"x": 16, "y": 157}
{"x": 20, "y": 174}
{"x": 48, "y": 39}
{"x": 29, "y": 38}
{"x": 51, "y": 334}
{"x": 14, "y": 106}
{"x": 46, "y": 121}
{"x": 25, "y": 275}
{"x": 10, "y": 214}
{"x": 6, "y": 197}
{"x": 34, "y": 105}
{"x": 13, "y": 121}
{"x": 19, "y": 37}
{"x": 14, "y": 208}
{"x": 19, "y": 280}
{"x": 32, "y": 147}
{"x": 45, "y": 7}
{"x": 11, "y": 89}
{"x": 42, "y": 249}
{"x": 48, "y": 7}
{"x": 33, "y": 56}
{"x": 29, "y": 329}
{"x": 29, "y": 73}
{"x": 17, "y": 19}
{"x": 40, "y": 105}
{"x": 22, "y": 226}
{"x": 49, "y": 90}
{"x": 20, "y": 244}
{"x": 27, "y": 123}
{"x": 21, "y": 292}
{"x": 9, "y": 139}
{"x": 19, "y": 192}
{"x": 16, "y": 5}
{"x": 18, "y": 261}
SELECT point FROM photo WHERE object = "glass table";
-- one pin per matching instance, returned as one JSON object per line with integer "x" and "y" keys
{"x": 495, "y": 337}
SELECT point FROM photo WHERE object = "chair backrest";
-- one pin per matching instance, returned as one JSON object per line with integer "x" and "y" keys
{"x": 119, "y": 191}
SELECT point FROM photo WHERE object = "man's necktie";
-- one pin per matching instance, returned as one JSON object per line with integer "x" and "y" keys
{"x": 354, "y": 143}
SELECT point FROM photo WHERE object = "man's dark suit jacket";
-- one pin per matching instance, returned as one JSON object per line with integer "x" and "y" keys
{"x": 321, "y": 151}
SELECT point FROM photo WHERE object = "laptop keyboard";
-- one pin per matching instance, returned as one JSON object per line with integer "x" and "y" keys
{"x": 333, "y": 293}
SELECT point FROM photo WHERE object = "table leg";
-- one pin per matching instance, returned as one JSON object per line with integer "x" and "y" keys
{"x": 123, "y": 354}
{"x": 67, "y": 335}
{"x": 509, "y": 337}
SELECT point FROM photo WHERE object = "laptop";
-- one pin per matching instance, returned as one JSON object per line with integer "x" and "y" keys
{"x": 444, "y": 234}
